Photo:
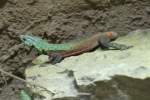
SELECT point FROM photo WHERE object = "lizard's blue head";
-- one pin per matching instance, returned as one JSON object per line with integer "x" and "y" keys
{"x": 29, "y": 39}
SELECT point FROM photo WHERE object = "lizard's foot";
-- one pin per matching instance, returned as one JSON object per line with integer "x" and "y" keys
{"x": 55, "y": 58}
{"x": 124, "y": 47}
{"x": 117, "y": 46}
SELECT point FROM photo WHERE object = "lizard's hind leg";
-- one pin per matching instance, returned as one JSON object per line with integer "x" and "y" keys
{"x": 55, "y": 58}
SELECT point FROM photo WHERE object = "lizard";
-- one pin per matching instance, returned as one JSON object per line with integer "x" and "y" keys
{"x": 58, "y": 52}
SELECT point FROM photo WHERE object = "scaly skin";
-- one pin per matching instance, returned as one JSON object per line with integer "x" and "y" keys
{"x": 59, "y": 51}
{"x": 42, "y": 45}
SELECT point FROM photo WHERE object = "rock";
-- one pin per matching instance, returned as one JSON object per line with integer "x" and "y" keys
{"x": 40, "y": 59}
{"x": 3, "y": 26}
{"x": 147, "y": 10}
{"x": 58, "y": 83}
{"x": 78, "y": 5}
{"x": 108, "y": 75}
{"x": 2, "y": 3}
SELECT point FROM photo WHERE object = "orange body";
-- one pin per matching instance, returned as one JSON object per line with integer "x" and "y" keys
{"x": 85, "y": 46}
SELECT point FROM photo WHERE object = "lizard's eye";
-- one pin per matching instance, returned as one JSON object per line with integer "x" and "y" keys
{"x": 23, "y": 39}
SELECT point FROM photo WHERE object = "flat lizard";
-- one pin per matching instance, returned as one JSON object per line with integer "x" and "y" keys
{"x": 58, "y": 52}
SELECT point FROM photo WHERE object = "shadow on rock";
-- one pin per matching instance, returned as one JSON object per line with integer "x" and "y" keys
{"x": 122, "y": 88}
{"x": 2, "y": 3}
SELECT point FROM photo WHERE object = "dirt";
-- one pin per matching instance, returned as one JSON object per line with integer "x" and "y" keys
{"x": 59, "y": 24}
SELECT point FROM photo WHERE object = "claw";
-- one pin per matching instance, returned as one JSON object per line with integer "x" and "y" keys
{"x": 123, "y": 47}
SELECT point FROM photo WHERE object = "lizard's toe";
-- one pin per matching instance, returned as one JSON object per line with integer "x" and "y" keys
{"x": 125, "y": 47}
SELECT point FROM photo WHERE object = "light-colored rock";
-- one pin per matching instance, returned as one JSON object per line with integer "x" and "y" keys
{"x": 53, "y": 79}
{"x": 40, "y": 59}
{"x": 92, "y": 67}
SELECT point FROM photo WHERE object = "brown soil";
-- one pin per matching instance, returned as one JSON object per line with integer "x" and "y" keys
{"x": 58, "y": 25}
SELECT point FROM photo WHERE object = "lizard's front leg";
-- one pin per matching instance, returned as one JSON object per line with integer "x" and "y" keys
{"x": 119, "y": 46}
{"x": 105, "y": 43}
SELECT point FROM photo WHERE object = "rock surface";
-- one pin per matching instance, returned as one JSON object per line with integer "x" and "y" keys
{"x": 106, "y": 75}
